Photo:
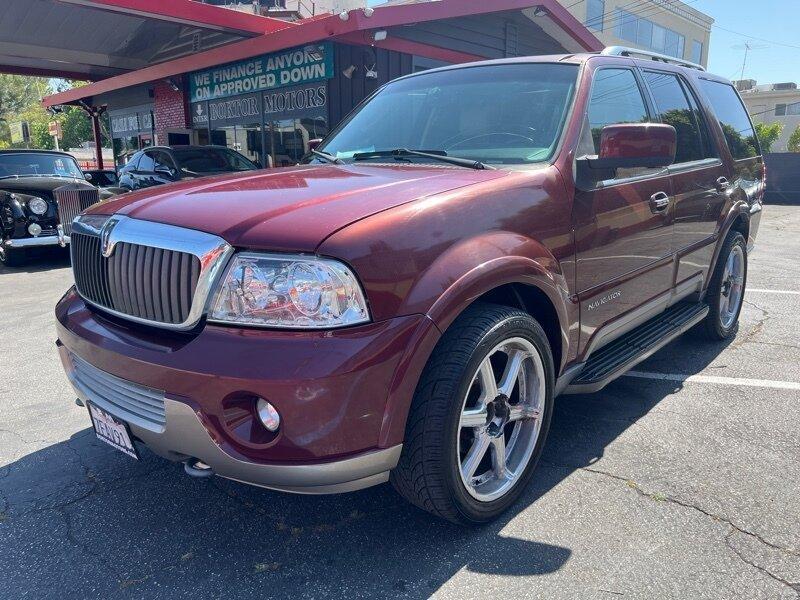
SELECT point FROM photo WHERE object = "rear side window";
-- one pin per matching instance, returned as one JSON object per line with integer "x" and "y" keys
{"x": 674, "y": 108}
{"x": 616, "y": 98}
{"x": 733, "y": 119}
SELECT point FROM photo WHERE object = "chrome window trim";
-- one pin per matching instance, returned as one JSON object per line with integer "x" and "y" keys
{"x": 212, "y": 251}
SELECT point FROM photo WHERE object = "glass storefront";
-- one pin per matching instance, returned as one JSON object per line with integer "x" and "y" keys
{"x": 131, "y": 130}
{"x": 273, "y": 128}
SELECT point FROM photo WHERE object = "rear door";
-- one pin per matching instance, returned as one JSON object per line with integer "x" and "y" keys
{"x": 745, "y": 165}
{"x": 699, "y": 177}
{"x": 623, "y": 226}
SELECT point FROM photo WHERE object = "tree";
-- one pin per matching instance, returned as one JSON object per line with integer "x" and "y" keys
{"x": 768, "y": 135}
{"x": 18, "y": 93}
{"x": 794, "y": 140}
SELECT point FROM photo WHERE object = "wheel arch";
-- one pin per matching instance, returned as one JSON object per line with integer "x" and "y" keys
{"x": 737, "y": 219}
{"x": 531, "y": 281}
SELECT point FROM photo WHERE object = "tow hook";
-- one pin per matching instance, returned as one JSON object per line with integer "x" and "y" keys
{"x": 194, "y": 467}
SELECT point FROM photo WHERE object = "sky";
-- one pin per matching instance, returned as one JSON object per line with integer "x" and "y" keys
{"x": 775, "y": 22}
{"x": 772, "y": 27}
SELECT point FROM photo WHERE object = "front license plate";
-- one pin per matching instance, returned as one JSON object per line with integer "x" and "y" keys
{"x": 112, "y": 431}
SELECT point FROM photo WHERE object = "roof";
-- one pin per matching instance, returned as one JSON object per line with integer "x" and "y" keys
{"x": 354, "y": 28}
{"x": 98, "y": 39}
{"x": 33, "y": 151}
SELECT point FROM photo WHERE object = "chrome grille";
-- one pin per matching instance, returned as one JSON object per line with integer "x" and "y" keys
{"x": 144, "y": 282}
{"x": 137, "y": 404}
{"x": 73, "y": 200}
{"x": 146, "y": 272}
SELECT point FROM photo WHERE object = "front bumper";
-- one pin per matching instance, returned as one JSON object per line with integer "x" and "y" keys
{"x": 36, "y": 242}
{"x": 331, "y": 389}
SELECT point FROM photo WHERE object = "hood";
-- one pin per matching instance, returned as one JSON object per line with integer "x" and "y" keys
{"x": 291, "y": 209}
{"x": 32, "y": 185}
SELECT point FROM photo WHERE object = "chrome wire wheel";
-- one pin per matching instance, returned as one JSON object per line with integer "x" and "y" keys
{"x": 732, "y": 292}
{"x": 501, "y": 419}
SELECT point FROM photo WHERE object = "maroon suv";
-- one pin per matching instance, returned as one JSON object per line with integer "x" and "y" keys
{"x": 471, "y": 242}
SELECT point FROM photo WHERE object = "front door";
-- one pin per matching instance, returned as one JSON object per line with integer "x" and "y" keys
{"x": 624, "y": 225}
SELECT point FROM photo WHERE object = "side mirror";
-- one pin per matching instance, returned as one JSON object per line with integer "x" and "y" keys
{"x": 87, "y": 176}
{"x": 629, "y": 146}
{"x": 314, "y": 144}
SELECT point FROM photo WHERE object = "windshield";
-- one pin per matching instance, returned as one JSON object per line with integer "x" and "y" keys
{"x": 499, "y": 114}
{"x": 211, "y": 160}
{"x": 26, "y": 165}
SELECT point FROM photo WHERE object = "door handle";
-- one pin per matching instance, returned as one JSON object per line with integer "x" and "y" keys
{"x": 659, "y": 202}
{"x": 722, "y": 184}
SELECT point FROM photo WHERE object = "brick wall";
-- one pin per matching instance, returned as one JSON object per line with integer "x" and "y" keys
{"x": 169, "y": 110}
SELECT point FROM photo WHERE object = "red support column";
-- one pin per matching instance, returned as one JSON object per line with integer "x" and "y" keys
{"x": 98, "y": 138}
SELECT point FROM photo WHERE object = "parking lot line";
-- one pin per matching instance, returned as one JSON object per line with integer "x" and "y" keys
{"x": 733, "y": 381}
{"x": 761, "y": 291}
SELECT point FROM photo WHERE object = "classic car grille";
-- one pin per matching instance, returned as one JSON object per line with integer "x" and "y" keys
{"x": 127, "y": 400}
{"x": 71, "y": 202}
{"x": 148, "y": 283}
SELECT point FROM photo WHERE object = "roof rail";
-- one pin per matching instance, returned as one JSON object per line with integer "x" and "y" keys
{"x": 635, "y": 52}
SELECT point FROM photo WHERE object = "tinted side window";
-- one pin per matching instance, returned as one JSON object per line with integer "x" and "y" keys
{"x": 163, "y": 161}
{"x": 674, "y": 109}
{"x": 146, "y": 164}
{"x": 733, "y": 119}
{"x": 133, "y": 162}
{"x": 616, "y": 98}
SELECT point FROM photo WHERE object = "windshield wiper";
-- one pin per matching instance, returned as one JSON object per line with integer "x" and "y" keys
{"x": 440, "y": 155}
{"x": 328, "y": 157}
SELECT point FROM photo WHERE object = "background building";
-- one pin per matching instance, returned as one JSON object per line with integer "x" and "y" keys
{"x": 289, "y": 9}
{"x": 773, "y": 103}
{"x": 666, "y": 26}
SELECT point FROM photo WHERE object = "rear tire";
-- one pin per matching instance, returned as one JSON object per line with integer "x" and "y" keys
{"x": 725, "y": 294}
{"x": 471, "y": 443}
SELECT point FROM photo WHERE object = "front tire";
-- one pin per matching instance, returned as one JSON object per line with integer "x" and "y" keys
{"x": 480, "y": 416}
{"x": 11, "y": 257}
{"x": 725, "y": 294}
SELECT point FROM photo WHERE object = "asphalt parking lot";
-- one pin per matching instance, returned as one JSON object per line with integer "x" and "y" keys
{"x": 658, "y": 487}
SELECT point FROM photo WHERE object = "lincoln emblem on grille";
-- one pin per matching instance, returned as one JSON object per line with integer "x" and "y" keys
{"x": 106, "y": 247}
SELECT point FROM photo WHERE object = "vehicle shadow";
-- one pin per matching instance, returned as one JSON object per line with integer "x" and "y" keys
{"x": 39, "y": 260}
{"x": 78, "y": 519}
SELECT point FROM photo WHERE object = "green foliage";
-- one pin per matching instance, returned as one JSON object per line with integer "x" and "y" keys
{"x": 20, "y": 100}
{"x": 794, "y": 140}
{"x": 768, "y": 135}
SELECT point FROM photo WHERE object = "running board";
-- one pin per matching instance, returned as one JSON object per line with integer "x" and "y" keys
{"x": 621, "y": 355}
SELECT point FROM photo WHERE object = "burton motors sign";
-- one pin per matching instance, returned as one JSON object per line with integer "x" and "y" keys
{"x": 290, "y": 67}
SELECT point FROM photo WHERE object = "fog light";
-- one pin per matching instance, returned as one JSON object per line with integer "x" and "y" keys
{"x": 268, "y": 415}
{"x": 35, "y": 229}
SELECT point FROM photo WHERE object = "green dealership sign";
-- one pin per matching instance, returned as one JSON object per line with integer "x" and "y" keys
{"x": 289, "y": 67}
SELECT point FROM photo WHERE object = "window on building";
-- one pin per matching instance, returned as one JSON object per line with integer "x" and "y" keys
{"x": 647, "y": 34}
{"x": 733, "y": 119}
{"x": 697, "y": 51}
{"x": 784, "y": 110}
{"x": 595, "y": 9}
{"x": 675, "y": 109}
{"x": 616, "y": 98}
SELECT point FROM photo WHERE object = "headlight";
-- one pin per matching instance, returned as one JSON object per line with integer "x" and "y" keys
{"x": 298, "y": 292}
{"x": 37, "y": 206}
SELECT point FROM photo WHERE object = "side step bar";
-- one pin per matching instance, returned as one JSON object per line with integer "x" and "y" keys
{"x": 620, "y": 356}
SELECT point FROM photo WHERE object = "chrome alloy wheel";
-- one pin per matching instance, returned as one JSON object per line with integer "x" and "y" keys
{"x": 732, "y": 292}
{"x": 501, "y": 418}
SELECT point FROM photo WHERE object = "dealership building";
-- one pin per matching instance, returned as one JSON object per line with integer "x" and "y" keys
{"x": 186, "y": 72}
